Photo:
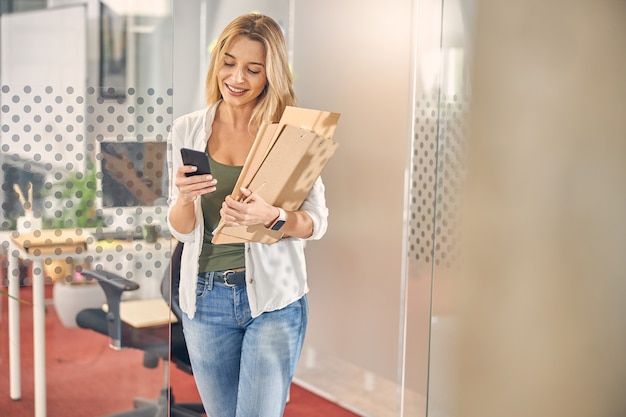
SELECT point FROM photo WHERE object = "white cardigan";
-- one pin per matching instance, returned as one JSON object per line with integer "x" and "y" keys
{"x": 275, "y": 273}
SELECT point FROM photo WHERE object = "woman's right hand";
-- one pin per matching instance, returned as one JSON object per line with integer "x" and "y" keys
{"x": 190, "y": 187}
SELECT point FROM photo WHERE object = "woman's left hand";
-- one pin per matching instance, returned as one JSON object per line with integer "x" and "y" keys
{"x": 253, "y": 209}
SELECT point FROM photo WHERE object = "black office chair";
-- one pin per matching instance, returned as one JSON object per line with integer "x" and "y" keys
{"x": 153, "y": 341}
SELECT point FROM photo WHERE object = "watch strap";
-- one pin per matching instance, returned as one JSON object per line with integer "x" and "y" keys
{"x": 280, "y": 220}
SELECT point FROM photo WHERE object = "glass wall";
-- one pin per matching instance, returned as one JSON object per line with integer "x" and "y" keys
{"x": 86, "y": 105}
{"x": 443, "y": 35}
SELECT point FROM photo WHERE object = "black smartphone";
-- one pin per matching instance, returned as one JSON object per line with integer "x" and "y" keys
{"x": 199, "y": 159}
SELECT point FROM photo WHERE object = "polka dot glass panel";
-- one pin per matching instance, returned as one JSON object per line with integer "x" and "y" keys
{"x": 88, "y": 175}
{"x": 436, "y": 175}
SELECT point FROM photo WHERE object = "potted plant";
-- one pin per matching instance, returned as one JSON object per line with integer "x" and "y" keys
{"x": 76, "y": 196}
{"x": 71, "y": 204}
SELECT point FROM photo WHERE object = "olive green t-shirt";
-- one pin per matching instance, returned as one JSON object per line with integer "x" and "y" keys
{"x": 224, "y": 256}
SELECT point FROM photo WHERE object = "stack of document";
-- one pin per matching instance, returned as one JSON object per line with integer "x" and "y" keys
{"x": 285, "y": 161}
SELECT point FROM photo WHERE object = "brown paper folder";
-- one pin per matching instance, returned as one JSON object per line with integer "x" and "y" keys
{"x": 282, "y": 166}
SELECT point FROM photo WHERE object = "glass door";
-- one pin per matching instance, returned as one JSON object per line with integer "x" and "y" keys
{"x": 442, "y": 36}
{"x": 86, "y": 106}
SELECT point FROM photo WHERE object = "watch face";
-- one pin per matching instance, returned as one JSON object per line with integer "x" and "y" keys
{"x": 277, "y": 225}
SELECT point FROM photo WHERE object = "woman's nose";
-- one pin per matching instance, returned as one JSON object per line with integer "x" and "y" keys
{"x": 238, "y": 74}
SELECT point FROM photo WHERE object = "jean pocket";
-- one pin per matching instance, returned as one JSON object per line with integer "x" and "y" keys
{"x": 201, "y": 288}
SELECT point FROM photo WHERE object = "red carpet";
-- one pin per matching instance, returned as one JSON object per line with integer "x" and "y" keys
{"x": 85, "y": 378}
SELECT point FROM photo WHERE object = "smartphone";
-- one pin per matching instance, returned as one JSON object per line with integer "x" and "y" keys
{"x": 197, "y": 158}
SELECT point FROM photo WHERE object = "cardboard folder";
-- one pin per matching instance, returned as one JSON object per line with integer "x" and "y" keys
{"x": 284, "y": 162}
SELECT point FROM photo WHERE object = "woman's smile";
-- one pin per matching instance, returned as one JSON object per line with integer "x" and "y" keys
{"x": 234, "y": 90}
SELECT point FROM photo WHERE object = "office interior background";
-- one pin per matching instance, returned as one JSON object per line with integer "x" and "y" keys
{"x": 473, "y": 263}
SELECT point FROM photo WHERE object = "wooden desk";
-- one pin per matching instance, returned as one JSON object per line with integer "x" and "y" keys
{"x": 145, "y": 313}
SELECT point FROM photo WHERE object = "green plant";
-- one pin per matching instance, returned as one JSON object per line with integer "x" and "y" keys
{"x": 75, "y": 199}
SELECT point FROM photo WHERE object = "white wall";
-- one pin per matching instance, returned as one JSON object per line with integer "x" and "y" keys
{"x": 353, "y": 57}
{"x": 43, "y": 53}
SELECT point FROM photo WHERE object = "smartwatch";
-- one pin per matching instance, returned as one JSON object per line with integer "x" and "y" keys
{"x": 280, "y": 220}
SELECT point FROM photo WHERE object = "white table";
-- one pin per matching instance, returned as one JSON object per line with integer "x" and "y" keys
{"x": 14, "y": 253}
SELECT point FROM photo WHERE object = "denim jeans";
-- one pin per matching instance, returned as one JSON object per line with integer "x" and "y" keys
{"x": 243, "y": 366}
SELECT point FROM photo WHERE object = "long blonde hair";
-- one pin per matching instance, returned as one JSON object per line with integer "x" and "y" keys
{"x": 278, "y": 92}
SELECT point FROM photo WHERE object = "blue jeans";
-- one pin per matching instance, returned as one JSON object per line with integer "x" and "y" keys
{"x": 243, "y": 367}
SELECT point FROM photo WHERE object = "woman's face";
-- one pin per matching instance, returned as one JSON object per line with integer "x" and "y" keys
{"x": 241, "y": 74}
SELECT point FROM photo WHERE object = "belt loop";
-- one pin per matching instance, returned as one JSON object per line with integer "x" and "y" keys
{"x": 209, "y": 280}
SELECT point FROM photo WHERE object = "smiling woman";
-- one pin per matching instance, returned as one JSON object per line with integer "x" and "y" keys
{"x": 244, "y": 330}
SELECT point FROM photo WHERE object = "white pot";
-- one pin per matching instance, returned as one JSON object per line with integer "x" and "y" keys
{"x": 70, "y": 299}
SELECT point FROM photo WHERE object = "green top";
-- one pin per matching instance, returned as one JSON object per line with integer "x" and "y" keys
{"x": 224, "y": 256}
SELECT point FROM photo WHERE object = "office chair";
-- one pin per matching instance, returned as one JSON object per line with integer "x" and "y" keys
{"x": 153, "y": 341}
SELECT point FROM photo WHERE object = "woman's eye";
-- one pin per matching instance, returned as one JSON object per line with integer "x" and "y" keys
{"x": 254, "y": 72}
{"x": 228, "y": 64}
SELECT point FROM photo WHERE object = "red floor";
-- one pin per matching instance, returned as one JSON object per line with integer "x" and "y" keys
{"x": 86, "y": 378}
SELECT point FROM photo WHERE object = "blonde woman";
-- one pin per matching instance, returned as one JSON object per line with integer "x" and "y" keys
{"x": 245, "y": 304}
